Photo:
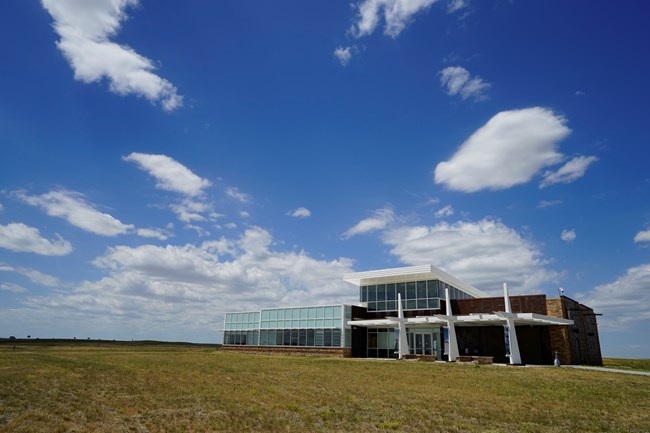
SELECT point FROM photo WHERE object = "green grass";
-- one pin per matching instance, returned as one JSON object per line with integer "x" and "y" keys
{"x": 627, "y": 364}
{"x": 83, "y": 388}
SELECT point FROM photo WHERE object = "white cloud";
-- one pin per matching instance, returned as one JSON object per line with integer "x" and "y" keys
{"x": 301, "y": 212}
{"x": 380, "y": 219}
{"x": 191, "y": 286}
{"x": 572, "y": 170}
{"x": 623, "y": 302}
{"x": 642, "y": 236}
{"x": 508, "y": 150}
{"x": 152, "y": 233}
{"x": 188, "y": 210}
{"x": 19, "y": 237}
{"x": 457, "y": 81}
{"x": 455, "y": 5}
{"x": 344, "y": 54}
{"x": 397, "y": 15}
{"x": 12, "y": 287}
{"x": 549, "y": 203}
{"x": 73, "y": 207}
{"x": 170, "y": 174}
{"x": 235, "y": 193}
{"x": 568, "y": 236}
{"x": 483, "y": 253}
{"x": 85, "y": 28}
{"x": 34, "y": 275}
{"x": 244, "y": 214}
{"x": 445, "y": 211}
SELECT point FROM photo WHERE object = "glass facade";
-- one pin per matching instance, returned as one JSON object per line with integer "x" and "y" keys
{"x": 416, "y": 295}
{"x": 382, "y": 342}
{"x": 322, "y": 326}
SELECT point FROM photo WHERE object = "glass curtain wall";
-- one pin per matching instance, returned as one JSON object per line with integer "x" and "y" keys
{"x": 416, "y": 295}
{"x": 322, "y": 326}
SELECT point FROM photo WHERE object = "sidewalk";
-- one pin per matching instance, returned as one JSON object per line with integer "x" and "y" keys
{"x": 610, "y": 370}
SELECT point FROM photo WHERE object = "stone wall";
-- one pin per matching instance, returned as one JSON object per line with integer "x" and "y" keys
{"x": 336, "y": 352}
{"x": 578, "y": 343}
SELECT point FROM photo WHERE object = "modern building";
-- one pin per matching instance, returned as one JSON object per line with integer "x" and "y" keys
{"x": 424, "y": 311}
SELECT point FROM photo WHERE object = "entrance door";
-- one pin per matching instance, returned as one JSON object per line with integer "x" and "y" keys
{"x": 422, "y": 344}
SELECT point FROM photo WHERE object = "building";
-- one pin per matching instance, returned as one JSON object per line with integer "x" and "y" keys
{"x": 424, "y": 311}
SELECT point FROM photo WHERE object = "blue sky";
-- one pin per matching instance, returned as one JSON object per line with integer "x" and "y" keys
{"x": 163, "y": 162}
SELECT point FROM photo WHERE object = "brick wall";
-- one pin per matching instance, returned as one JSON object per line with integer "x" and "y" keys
{"x": 336, "y": 352}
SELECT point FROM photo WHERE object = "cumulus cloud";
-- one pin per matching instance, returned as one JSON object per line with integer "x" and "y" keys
{"x": 511, "y": 148}
{"x": 85, "y": 29}
{"x": 152, "y": 233}
{"x": 397, "y": 14}
{"x": 642, "y": 236}
{"x": 235, "y": 193}
{"x": 344, "y": 54}
{"x": 380, "y": 219}
{"x": 568, "y": 236}
{"x": 191, "y": 286}
{"x": 34, "y": 275}
{"x": 483, "y": 253}
{"x": 301, "y": 212}
{"x": 19, "y": 237}
{"x": 457, "y": 81}
{"x": 170, "y": 174}
{"x": 572, "y": 170}
{"x": 445, "y": 211}
{"x": 74, "y": 208}
{"x": 624, "y": 302}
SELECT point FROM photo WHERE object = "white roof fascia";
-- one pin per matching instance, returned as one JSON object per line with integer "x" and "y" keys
{"x": 468, "y": 320}
{"x": 410, "y": 273}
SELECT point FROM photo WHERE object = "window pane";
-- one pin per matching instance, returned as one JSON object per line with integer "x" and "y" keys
{"x": 432, "y": 288}
{"x": 422, "y": 304}
{"x": 329, "y": 312}
{"x": 381, "y": 292}
{"x": 273, "y": 314}
{"x": 390, "y": 292}
{"x": 280, "y": 314}
{"x": 312, "y": 313}
{"x": 411, "y": 305}
{"x": 372, "y": 306}
{"x": 302, "y": 337}
{"x": 327, "y": 337}
{"x": 401, "y": 289}
{"x": 320, "y": 312}
{"x": 410, "y": 290}
{"x": 265, "y": 315}
{"x": 303, "y": 313}
{"x": 381, "y": 306}
{"x": 422, "y": 289}
{"x": 310, "y": 337}
{"x": 336, "y": 311}
{"x": 372, "y": 293}
{"x": 391, "y": 305}
{"x": 363, "y": 293}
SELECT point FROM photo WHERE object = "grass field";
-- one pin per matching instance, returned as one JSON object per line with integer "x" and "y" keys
{"x": 149, "y": 388}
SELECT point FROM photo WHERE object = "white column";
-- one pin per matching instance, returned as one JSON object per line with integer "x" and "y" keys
{"x": 451, "y": 329}
{"x": 403, "y": 343}
{"x": 515, "y": 356}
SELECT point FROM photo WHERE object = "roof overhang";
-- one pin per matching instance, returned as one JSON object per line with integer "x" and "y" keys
{"x": 410, "y": 273}
{"x": 492, "y": 319}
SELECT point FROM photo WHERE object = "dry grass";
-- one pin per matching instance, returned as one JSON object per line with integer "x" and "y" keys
{"x": 182, "y": 389}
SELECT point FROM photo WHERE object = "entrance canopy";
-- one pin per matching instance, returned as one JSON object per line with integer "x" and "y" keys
{"x": 497, "y": 318}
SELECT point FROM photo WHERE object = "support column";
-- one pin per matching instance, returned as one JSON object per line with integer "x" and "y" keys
{"x": 515, "y": 356}
{"x": 451, "y": 329}
{"x": 403, "y": 344}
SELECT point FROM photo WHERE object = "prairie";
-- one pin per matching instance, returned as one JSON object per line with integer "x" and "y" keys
{"x": 184, "y": 388}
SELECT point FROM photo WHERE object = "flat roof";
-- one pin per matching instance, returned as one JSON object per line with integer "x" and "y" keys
{"x": 410, "y": 273}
